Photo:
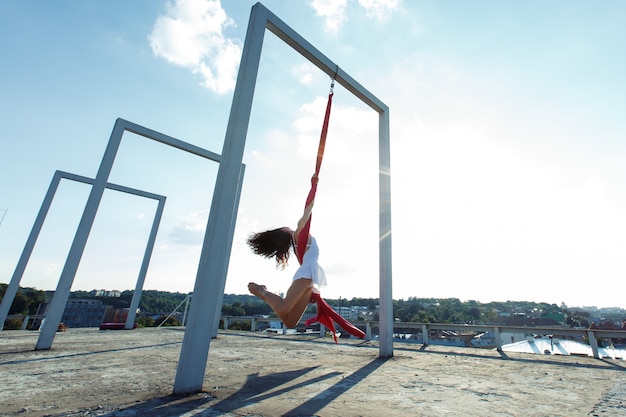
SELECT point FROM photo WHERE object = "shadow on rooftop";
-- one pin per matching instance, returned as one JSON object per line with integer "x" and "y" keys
{"x": 73, "y": 355}
{"x": 255, "y": 390}
{"x": 167, "y": 406}
{"x": 260, "y": 388}
{"x": 313, "y": 405}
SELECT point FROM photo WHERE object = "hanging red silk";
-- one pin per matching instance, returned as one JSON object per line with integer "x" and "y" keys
{"x": 325, "y": 314}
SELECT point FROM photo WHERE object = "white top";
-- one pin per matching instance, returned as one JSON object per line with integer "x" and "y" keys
{"x": 310, "y": 267}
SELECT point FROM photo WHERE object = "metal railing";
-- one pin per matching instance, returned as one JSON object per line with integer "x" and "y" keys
{"x": 592, "y": 335}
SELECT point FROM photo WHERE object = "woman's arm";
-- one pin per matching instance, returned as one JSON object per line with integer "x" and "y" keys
{"x": 305, "y": 218}
{"x": 307, "y": 211}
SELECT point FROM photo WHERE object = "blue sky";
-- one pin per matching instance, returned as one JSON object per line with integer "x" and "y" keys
{"x": 507, "y": 130}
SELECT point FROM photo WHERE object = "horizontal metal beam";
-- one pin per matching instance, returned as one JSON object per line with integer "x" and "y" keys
{"x": 167, "y": 140}
{"x": 111, "y": 186}
{"x": 304, "y": 48}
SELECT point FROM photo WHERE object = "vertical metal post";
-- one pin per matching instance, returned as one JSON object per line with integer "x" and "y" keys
{"x": 497, "y": 338}
{"x": 593, "y": 342}
{"x": 385, "y": 345}
{"x": 14, "y": 284}
{"x": 211, "y": 276}
{"x": 134, "y": 303}
{"x": 424, "y": 335}
{"x": 229, "y": 245}
{"x": 186, "y": 309}
{"x": 62, "y": 293}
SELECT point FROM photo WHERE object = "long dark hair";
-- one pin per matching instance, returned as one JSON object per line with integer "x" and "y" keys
{"x": 272, "y": 244}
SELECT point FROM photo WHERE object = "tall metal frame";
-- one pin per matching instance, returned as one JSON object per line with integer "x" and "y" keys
{"x": 57, "y": 304}
{"x": 13, "y": 286}
{"x": 212, "y": 270}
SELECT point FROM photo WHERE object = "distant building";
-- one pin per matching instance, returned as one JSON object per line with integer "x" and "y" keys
{"x": 78, "y": 313}
{"x": 115, "y": 315}
{"x": 105, "y": 293}
{"x": 350, "y": 313}
{"x": 83, "y": 313}
{"x": 347, "y": 313}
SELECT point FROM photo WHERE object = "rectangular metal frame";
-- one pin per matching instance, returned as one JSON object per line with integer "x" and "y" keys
{"x": 212, "y": 270}
{"x": 13, "y": 286}
{"x": 61, "y": 295}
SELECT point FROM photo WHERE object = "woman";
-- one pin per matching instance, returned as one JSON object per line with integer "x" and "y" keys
{"x": 277, "y": 244}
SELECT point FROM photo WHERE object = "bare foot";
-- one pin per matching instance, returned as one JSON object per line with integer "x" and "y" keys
{"x": 256, "y": 289}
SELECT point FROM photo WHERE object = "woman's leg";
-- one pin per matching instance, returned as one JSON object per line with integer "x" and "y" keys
{"x": 290, "y": 308}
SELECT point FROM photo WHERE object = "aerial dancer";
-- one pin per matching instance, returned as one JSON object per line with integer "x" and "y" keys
{"x": 307, "y": 280}
{"x": 309, "y": 277}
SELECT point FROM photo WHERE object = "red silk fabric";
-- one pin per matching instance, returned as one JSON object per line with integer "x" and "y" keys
{"x": 325, "y": 314}
{"x": 303, "y": 237}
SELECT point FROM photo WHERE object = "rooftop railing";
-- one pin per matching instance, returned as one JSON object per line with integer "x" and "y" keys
{"x": 370, "y": 328}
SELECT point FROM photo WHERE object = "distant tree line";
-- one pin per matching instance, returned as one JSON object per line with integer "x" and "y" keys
{"x": 453, "y": 310}
{"x": 26, "y": 300}
{"x": 425, "y": 310}
{"x": 152, "y": 302}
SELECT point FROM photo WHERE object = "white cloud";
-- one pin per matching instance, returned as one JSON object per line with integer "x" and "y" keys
{"x": 51, "y": 269}
{"x": 304, "y": 73}
{"x": 191, "y": 229}
{"x": 191, "y": 35}
{"x": 379, "y": 9}
{"x": 334, "y": 12}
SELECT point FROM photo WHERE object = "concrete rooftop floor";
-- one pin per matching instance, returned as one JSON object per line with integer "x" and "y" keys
{"x": 130, "y": 373}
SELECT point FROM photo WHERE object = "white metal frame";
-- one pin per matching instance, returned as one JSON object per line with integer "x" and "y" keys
{"x": 212, "y": 270}
{"x": 61, "y": 295}
{"x": 13, "y": 286}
